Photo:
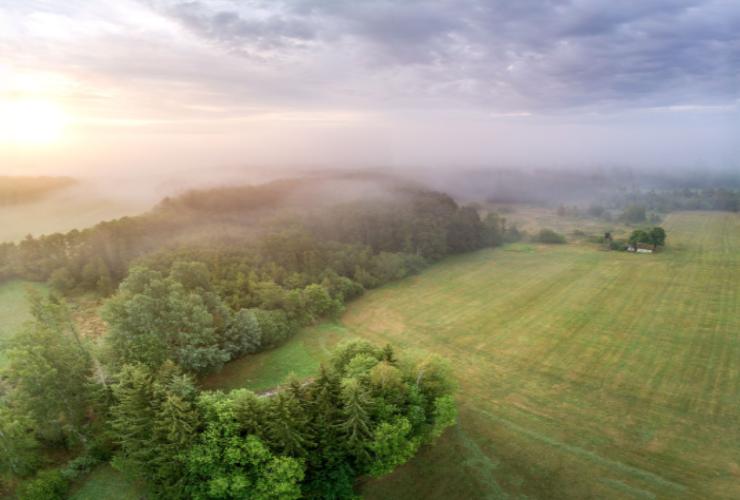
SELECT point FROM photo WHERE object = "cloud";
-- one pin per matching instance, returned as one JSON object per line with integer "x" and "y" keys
{"x": 505, "y": 55}
{"x": 376, "y": 81}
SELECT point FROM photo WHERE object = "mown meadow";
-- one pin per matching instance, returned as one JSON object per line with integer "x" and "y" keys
{"x": 583, "y": 373}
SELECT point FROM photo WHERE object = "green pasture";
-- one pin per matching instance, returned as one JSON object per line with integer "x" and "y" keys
{"x": 583, "y": 373}
{"x": 300, "y": 357}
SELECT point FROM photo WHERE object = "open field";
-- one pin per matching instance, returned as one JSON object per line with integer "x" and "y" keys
{"x": 14, "y": 307}
{"x": 583, "y": 373}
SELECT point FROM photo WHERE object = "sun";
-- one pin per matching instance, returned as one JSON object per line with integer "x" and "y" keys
{"x": 31, "y": 122}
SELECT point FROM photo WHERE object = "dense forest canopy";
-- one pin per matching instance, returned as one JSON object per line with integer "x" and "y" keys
{"x": 203, "y": 279}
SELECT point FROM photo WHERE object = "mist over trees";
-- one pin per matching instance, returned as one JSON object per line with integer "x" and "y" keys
{"x": 178, "y": 309}
{"x": 214, "y": 275}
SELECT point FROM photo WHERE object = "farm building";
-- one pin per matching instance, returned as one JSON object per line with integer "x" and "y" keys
{"x": 640, "y": 248}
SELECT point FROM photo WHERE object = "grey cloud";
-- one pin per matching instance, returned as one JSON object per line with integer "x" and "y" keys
{"x": 541, "y": 54}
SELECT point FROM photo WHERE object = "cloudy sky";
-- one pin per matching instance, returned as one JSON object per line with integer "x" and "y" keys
{"x": 108, "y": 85}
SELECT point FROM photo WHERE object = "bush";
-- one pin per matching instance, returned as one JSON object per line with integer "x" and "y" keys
{"x": 618, "y": 245}
{"x": 550, "y": 237}
{"x": 47, "y": 485}
{"x": 79, "y": 466}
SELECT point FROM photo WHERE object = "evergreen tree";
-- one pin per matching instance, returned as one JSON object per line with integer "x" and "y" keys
{"x": 355, "y": 423}
{"x": 287, "y": 425}
{"x": 49, "y": 372}
{"x": 132, "y": 417}
{"x": 19, "y": 453}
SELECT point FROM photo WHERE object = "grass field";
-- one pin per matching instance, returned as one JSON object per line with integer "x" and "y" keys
{"x": 300, "y": 357}
{"x": 583, "y": 373}
{"x": 14, "y": 308}
{"x": 106, "y": 483}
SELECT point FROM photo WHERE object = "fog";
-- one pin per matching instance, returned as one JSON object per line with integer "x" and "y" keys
{"x": 150, "y": 98}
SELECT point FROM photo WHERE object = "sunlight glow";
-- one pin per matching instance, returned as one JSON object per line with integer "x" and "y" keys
{"x": 31, "y": 123}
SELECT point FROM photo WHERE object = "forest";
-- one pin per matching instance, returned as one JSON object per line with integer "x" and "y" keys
{"x": 203, "y": 279}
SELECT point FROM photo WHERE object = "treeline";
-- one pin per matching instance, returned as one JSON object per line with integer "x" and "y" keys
{"x": 17, "y": 190}
{"x": 367, "y": 411}
{"x": 224, "y": 302}
{"x": 684, "y": 199}
{"x": 370, "y": 240}
{"x": 97, "y": 258}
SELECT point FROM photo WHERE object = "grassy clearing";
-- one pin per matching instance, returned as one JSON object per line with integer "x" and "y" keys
{"x": 107, "y": 483}
{"x": 301, "y": 357}
{"x": 583, "y": 373}
{"x": 14, "y": 307}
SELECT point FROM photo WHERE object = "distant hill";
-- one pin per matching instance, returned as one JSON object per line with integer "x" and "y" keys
{"x": 19, "y": 190}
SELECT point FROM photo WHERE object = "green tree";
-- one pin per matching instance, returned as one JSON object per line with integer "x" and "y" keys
{"x": 657, "y": 236}
{"x": 319, "y": 303}
{"x": 224, "y": 464}
{"x": 243, "y": 334}
{"x": 355, "y": 423}
{"x": 49, "y": 371}
{"x": 287, "y": 425}
{"x": 494, "y": 230}
{"x": 639, "y": 236}
{"x": 274, "y": 325}
{"x": 465, "y": 232}
{"x": 19, "y": 453}
{"x": 445, "y": 415}
{"x": 153, "y": 420}
{"x": 153, "y": 319}
{"x": 47, "y": 485}
{"x": 392, "y": 445}
{"x": 550, "y": 237}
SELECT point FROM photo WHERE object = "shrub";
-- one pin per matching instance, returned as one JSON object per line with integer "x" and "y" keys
{"x": 618, "y": 245}
{"x": 79, "y": 466}
{"x": 550, "y": 237}
{"x": 47, "y": 485}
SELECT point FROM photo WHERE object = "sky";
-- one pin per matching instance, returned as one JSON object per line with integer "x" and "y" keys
{"x": 102, "y": 86}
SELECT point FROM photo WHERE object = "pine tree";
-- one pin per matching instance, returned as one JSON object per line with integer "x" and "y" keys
{"x": 249, "y": 412}
{"x": 131, "y": 419}
{"x": 174, "y": 426}
{"x": 388, "y": 354}
{"x": 287, "y": 425}
{"x": 355, "y": 422}
{"x": 328, "y": 473}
